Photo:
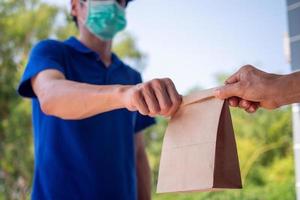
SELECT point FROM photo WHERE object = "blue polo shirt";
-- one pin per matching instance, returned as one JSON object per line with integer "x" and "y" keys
{"x": 92, "y": 158}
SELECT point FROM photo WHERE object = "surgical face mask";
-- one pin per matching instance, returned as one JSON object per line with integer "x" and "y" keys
{"x": 105, "y": 18}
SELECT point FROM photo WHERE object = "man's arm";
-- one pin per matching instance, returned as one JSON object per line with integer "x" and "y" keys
{"x": 290, "y": 88}
{"x": 250, "y": 88}
{"x": 143, "y": 171}
{"x": 73, "y": 100}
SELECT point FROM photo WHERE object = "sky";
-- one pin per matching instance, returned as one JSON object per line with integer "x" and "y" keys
{"x": 190, "y": 41}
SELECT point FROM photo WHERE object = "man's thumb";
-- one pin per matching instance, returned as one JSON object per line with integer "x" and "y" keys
{"x": 226, "y": 91}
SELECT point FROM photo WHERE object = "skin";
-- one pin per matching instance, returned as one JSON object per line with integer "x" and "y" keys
{"x": 250, "y": 88}
{"x": 143, "y": 170}
{"x": 73, "y": 100}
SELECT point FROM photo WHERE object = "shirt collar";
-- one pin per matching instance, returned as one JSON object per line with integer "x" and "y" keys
{"x": 78, "y": 46}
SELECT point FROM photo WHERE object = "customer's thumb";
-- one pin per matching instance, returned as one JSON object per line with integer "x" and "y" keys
{"x": 227, "y": 91}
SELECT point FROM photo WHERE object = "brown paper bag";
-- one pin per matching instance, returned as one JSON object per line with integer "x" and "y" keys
{"x": 199, "y": 150}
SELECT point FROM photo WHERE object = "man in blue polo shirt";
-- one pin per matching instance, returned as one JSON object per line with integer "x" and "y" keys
{"x": 89, "y": 109}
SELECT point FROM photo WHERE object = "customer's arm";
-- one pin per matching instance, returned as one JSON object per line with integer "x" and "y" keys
{"x": 250, "y": 88}
{"x": 73, "y": 100}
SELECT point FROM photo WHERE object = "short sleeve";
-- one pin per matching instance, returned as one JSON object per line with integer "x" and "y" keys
{"x": 47, "y": 54}
{"x": 142, "y": 122}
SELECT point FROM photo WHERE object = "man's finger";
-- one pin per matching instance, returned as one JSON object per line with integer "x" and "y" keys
{"x": 151, "y": 101}
{"x": 253, "y": 108}
{"x": 175, "y": 98}
{"x": 227, "y": 91}
{"x": 244, "y": 104}
{"x": 234, "y": 101}
{"x": 142, "y": 106}
{"x": 163, "y": 99}
{"x": 233, "y": 78}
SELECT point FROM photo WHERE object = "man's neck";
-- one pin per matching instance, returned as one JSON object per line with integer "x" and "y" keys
{"x": 103, "y": 48}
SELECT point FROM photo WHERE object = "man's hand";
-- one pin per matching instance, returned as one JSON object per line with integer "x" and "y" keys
{"x": 250, "y": 88}
{"x": 156, "y": 97}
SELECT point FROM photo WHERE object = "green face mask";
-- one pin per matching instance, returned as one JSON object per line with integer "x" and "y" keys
{"x": 105, "y": 18}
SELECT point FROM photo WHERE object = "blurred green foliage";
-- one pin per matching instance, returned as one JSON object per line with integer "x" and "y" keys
{"x": 264, "y": 139}
{"x": 19, "y": 28}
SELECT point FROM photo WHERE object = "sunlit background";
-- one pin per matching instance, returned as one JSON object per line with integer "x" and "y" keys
{"x": 193, "y": 40}
{"x": 197, "y": 43}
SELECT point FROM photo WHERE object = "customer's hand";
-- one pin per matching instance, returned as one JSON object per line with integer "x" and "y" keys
{"x": 156, "y": 97}
{"x": 250, "y": 88}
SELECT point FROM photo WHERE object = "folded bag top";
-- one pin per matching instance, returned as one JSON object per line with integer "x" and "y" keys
{"x": 199, "y": 150}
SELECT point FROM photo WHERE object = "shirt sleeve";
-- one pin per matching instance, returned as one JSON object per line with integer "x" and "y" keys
{"x": 142, "y": 122}
{"x": 47, "y": 54}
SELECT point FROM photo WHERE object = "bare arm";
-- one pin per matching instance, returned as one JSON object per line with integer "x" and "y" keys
{"x": 73, "y": 100}
{"x": 142, "y": 169}
{"x": 250, "y": 88}
{"x": 289, "y": 86}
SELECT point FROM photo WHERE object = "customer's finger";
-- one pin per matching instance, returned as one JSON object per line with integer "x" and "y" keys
{"x": 234, "y": 101}
{"x": 244, "y": 104}
{"x": 253, "y": 108}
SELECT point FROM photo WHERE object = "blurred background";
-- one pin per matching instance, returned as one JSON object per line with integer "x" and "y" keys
{"x": 197, "y": 43}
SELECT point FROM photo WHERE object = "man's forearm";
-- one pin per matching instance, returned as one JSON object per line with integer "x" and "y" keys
{"x": 143, "y": 170}
{"x": 143, "y": 177}
{"x": 288, "y": 87}
{"x": 73, "y": 100}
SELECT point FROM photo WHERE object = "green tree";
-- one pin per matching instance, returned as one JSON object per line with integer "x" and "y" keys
{"x": 21, "y": 24}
